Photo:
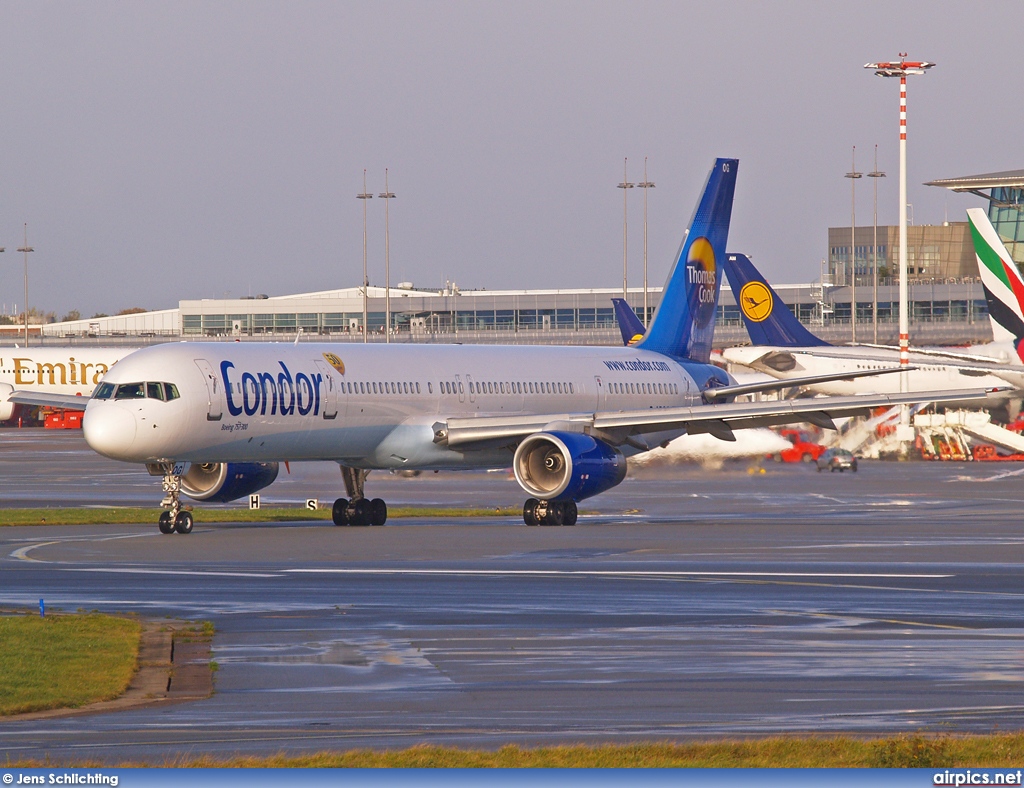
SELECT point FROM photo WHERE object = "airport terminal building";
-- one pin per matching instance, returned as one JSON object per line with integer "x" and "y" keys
{"x": 941, "y": 312}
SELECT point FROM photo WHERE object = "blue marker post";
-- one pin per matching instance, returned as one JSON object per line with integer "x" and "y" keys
{"x": 42, "y": 609}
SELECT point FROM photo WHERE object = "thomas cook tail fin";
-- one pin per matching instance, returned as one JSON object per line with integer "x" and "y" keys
{"x": 629, "y": 324}
{"x": 684, "y": 322}
{"x": 767, "y": 318}
{"x": 1004, "y": 288}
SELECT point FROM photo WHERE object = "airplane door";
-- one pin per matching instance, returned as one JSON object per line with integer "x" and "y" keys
{"x": 330, "y": 394}
{"x": 214, "y": 411}
{"x": 462, "y": 390}
{"x": 602, "y": 393}
{"x": 472, "y": 390}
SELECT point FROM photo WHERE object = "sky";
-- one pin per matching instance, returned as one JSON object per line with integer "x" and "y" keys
{"x": 185, "y": 150}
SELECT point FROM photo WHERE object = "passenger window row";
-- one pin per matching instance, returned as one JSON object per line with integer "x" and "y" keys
{"x": 643, "y": 388}
{"x": 161, "y": 391}
{"x": 508, "y": 387}
{"x": 381, "y": 387}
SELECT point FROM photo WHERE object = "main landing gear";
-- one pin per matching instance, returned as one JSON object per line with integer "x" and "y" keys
{"x": 174, "y": 519}
{"x": 549, "y": 512}
{"x": 356, "y": 509}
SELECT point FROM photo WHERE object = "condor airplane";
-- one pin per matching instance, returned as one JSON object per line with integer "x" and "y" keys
{"x": 59, "y": 377}
{"x": 215, "y": 419}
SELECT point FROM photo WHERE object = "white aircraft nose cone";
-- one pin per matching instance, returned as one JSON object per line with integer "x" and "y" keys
{"x": 109, "y": 430}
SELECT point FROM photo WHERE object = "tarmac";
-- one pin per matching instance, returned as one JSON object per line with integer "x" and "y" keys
{"x": 687, "y": 604}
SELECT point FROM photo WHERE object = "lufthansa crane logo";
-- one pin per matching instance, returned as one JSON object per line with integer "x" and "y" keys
{"x": 756, "y": 301}
{"x": 335, "y": 362}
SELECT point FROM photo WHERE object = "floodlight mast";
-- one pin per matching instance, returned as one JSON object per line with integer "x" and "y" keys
{"x": 902, "y": 69}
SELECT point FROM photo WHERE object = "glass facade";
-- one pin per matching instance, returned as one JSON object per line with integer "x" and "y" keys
{"x": 1006, "y": 212}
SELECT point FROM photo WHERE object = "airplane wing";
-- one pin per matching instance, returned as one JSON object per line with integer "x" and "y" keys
{"x": 720, "y": 420}
{"x": 935, "y": 352}
{"x": 64, "y": 401}
{"x": 787, "y": 383}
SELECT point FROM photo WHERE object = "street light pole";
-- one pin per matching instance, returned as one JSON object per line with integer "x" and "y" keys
{"x": 875, "y": 174}
{"x": 853, "y": 175}
{"x": 387, "y": 196}
{"x": 26, "y": 249}
{"x": 624, "y": 186}
{"x": 645, "y": 185}
{"x": 366, "y": 283}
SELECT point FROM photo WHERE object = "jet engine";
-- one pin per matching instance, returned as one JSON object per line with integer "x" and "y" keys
{"x": 6, "y": 406}
{"x": 567, "y": 466}
{"x": 221, "y": 482}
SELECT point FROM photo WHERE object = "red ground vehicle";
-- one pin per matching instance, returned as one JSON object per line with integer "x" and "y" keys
{"x": 804, "y": 449}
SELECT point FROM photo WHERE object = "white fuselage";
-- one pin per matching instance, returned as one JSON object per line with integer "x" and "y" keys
{"x": 54, "y": 370}
{"x": 275, "y": 402}
{"x": 930, "y": 373}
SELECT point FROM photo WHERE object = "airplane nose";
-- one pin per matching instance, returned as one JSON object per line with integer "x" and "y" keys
{"x": 109, "y": 430}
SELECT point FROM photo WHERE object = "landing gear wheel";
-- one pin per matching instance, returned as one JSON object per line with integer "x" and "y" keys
{"x": 556, "y": 513}
{"x": 360, "y": 512}
{"x": 166, "y": 525}
{"x": 571, "y": 513}
{"x": 378, "y": 512}
{"x": 530, "y": 511}
{"x": 339, "y": 512}
{"x": 183, "y": 523}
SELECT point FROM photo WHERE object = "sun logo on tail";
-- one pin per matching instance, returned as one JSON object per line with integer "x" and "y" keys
{"x": 701, "y": 280}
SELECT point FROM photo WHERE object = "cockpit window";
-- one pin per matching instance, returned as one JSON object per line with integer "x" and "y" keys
{"x": 131, "y": 391}
{"x": 152, "y": 390}
{"x": 103, "y": 391}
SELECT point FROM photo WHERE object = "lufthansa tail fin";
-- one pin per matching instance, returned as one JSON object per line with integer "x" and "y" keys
{"x": 766, "y": 316}
{"x": 1004, "y": 288}
{"x": 629, "y": 324}
{"x": 684, "y": 323}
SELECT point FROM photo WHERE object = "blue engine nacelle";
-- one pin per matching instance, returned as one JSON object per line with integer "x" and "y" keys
{"x": 563, "y": 466}
{"x": 220, "y": 482}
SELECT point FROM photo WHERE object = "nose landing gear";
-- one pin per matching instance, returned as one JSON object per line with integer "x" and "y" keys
{"x": 174, "y": 518}
{"x": 549, "y": 512}
{"x": 356, "y": 509}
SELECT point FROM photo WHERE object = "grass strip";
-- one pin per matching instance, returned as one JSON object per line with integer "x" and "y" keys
{"x": 133, "y": 515}
{"x": 65, "y": 661}
{"x": 904, "y": 751}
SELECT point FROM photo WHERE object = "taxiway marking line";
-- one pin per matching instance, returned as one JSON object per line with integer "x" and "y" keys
{"x": 21, "y": 554}
{"x": 122, "y": 571}
{"x": 607, "y": 573}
